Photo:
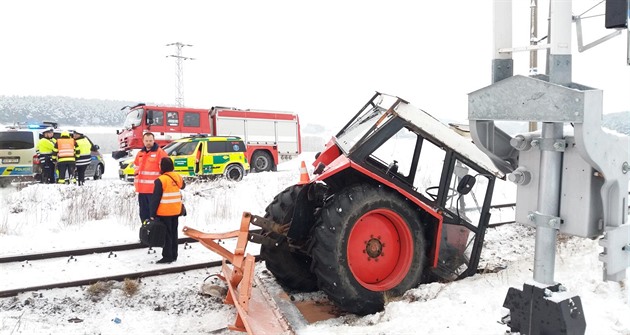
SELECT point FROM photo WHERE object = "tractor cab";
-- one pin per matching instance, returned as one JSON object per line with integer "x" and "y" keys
{"x": 448, "y": 179}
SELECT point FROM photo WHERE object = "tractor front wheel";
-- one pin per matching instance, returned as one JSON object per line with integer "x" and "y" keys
{"x": 291, "y": 269}
{"x": 368, "y": 245}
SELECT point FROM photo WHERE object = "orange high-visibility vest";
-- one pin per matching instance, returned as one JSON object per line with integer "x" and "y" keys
{"x": 65, "y": 148}
{"x": 147, "y": 165}
{"x": 171, "y": 202}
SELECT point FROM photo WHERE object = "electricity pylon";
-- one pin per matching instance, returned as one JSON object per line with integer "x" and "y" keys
{"x": 179, "y": 60}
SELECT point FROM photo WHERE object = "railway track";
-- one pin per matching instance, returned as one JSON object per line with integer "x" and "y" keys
{"x": 110, "y": 250}
{"x": 17, "y": 263}
{"x": 81, "y": 252}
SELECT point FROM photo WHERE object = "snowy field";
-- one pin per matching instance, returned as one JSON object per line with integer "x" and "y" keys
{"x": 37, "y": 218}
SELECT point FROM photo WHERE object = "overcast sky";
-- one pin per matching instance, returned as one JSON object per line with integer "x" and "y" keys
{"x": 321, "y": 59}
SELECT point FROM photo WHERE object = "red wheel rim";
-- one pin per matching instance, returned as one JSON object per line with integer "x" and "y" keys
{"x": 380, "y": 250}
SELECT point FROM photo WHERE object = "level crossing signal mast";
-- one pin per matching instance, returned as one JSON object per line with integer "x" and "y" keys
{"x": 572, "y": 176}
{"x": 179, "y": 74}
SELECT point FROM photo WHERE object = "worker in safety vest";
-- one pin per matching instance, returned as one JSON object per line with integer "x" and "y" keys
{"x": 44, "y": 151}
{"x": 85, "y": 155}
{"x": 147, "y": 169}
{"x": 166, "y": 206}
{"x": 65, "y": 152}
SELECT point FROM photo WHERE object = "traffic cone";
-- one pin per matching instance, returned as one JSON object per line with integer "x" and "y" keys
{"x": 304, "y": 178}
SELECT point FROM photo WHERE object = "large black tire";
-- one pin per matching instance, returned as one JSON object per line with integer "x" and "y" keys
{"x": 262, "y": 161}
{"x": 291, "y": 269}
{"x": 368, "y": 246}
{"x": 234, "y": 172}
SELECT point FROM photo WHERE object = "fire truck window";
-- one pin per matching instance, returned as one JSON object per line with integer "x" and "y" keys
{"x": 158, "y": 118}
{"x": 191, "y": 119}
{"x": 172, "y": 119}
{"x": 215, "y": 147}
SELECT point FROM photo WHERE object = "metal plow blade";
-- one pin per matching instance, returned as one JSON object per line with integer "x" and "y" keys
{"x": 257, "y": 312}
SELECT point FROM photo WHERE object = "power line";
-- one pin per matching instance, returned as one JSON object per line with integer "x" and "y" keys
{"x": 179, "y": 74}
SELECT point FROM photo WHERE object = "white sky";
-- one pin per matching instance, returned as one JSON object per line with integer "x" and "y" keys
{"x": 320, "y": 59}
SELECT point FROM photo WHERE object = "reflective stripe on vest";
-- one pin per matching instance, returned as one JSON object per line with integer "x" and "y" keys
{"x": 148, "y": 168}
{"x": 65, "y": 147}
{"x": 171, "y": 202}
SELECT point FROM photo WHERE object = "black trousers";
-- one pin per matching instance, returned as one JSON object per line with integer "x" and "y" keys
{"x": 170, "y": 244}
{"x": 64, "y": 167}
{"x": 81, "y": 173}
{"x": 144, "y": 200}
{"x": 48, "y": 170}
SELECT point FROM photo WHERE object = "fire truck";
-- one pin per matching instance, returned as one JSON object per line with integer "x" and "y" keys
{"x": 270, "y": 136}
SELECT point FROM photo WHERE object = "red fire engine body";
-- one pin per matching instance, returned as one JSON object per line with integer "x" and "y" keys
{"x": 270, "y": 136}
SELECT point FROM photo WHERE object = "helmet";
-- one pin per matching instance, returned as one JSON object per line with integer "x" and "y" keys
{"x": 48, "y": 130}
{"x": 65, "y": 133}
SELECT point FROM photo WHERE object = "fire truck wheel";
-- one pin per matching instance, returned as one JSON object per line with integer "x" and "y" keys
{"x": 234, "y": 172}
{"x": 368, "y": 246}
{"x": 262, "y": 161}
{"x": 291, "y": 269}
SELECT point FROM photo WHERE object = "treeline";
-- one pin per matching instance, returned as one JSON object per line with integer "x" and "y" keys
{"x": 64, "y": 110}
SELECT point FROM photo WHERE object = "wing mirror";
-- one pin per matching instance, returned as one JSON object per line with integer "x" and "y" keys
{"x": 466, "y": 184}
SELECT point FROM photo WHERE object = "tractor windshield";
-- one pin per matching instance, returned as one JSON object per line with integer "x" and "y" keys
{"x": 366, "y": 122}
{"x": 134, "y": 118}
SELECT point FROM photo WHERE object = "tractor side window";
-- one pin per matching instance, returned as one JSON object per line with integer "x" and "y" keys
{"x": 158, "y": 118}
{"x": 429, "y": 169}
{"x": 216, "y": 147}
{"x": 191, "y": 119}
{"x": 467, "y": 206}
{"x": 397, "y": 152}
{"x": 172, "y": 119}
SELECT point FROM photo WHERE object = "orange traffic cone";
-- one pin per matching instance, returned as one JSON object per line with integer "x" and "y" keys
{"x": 304, "y": 178}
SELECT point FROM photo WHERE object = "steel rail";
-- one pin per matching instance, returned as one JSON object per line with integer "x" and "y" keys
{"x": 119, "y": 277}
{"x": 80, "y": 252}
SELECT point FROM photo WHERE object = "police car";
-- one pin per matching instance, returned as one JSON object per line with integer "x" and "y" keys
{"x": 202, "y": 156}
{"x": 17, "y": 151}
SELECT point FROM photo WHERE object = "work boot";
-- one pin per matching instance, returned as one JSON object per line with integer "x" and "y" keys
{"x": 61, "y": 181}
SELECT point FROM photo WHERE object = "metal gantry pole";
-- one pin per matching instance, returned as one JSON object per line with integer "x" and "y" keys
{"x": 548, "y": 204}
{"x": 179, "y": 74}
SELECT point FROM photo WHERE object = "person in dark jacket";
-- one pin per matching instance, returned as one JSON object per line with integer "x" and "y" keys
{"x": 166, "y": 206}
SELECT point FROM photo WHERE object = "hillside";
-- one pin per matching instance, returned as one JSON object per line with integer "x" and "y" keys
{"x": 93, "y": 112}
{"x": 65, "y": 110}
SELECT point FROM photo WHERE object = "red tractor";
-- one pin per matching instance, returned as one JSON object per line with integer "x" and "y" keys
{"x": 398, "y": 199}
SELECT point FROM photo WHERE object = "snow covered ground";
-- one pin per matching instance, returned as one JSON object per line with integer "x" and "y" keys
{"x": 39, "y": 218}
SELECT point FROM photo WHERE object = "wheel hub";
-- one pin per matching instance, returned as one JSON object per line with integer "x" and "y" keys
{"x": 374, "y": 247}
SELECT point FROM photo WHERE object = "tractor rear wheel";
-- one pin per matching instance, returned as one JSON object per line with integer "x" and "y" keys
{"x": 291, "y": 269}
{"x": 368, "y": 246}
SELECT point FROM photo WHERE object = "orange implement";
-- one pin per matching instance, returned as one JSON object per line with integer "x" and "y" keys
{"x": 256, "y": 312}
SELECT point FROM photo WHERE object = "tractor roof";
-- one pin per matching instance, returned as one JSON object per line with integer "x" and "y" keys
{"x": 447, "y": 136}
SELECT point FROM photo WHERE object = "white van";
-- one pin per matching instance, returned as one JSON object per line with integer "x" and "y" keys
{"x": 17, "y": 150}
